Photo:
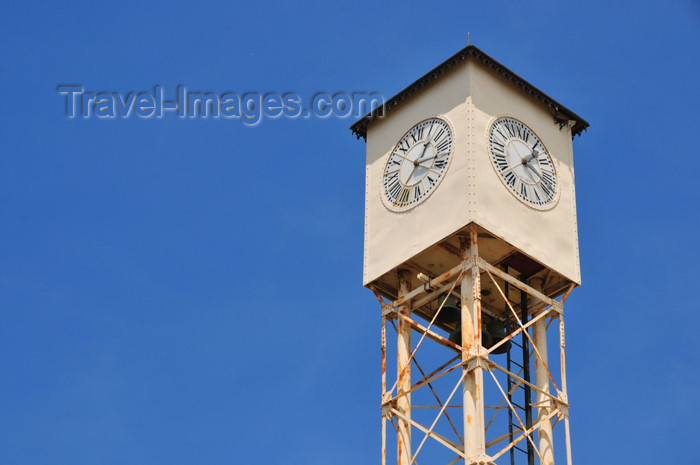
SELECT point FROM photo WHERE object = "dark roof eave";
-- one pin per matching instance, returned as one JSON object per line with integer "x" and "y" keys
{"x": 561, "y": 114}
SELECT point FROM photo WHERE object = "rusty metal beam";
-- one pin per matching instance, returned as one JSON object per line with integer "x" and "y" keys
{"x": 484, "y": 265}
{"x": 403, "y": 381}
{"x": 472, "y": 388}
{"x": 518, "y": 330}
{"x": 525, "y": 333}
{"x": 562, "y": 346}
{"x": 408, "y": 296}
{"x": 438, "y": 437}
{"x": 383, "y": 348}
{"x": 518, "y": 378}
{"x": 437, "y": 418}
{"x": 437, "y": 399}
{"x": 429, "y": 333}
{"x": 527, "y": 432}
{"x": 539, "y": 334}
{"x": 422, "y": 383}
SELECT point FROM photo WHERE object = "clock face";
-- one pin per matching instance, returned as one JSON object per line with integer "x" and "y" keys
{"x": 417, "y": 164}
{"x": 523, "y": 163}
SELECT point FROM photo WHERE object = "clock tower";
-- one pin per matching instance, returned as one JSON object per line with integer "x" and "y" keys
{"x": 471, "y": 248}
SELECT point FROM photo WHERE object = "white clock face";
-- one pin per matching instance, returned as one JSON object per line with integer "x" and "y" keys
{"x": 417, "y": 164}
{"x": 523, "y": 163}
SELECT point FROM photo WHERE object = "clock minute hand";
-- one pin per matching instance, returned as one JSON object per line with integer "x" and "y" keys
{"x": 421, "y": 160}
{"x": 543, "y": 180}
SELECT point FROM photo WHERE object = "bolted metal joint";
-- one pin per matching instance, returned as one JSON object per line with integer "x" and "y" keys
{"x": 481, "y": 458}
{"x": 428, "y": 286}
{"x": 469, "y": 263}
{"x": 388, "y": 310}
{"x": 562, "y": 405}
{"x": 477, "y": 360}
{"x": 563, "y": 411}
{"x": 386, "y": 410}
{"x": 558, "y": 307}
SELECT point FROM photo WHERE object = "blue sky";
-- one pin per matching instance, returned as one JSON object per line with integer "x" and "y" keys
{"x": 189, "y": 291}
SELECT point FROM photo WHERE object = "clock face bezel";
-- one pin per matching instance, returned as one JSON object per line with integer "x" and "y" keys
{"x": 391, "y": 205}
{"x": 554, "y": 200}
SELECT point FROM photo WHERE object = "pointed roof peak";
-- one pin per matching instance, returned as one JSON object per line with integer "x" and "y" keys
{"x": 560, "y": 113}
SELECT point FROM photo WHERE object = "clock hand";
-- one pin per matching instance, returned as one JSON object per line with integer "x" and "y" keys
{"x": 421, "y": 160}
{"x": 543, "y": 180}
{"x": 425, "y": 147}
{"x": 528, "y": 170}
{"x": 525, "y": 160}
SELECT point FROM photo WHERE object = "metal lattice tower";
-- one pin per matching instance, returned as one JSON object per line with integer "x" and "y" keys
{"x": 485, "y": 414}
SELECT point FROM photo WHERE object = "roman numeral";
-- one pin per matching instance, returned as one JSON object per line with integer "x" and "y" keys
{"x": 549, "y": 177}
{"x": 538, "y": 199}
{"x": 546, "y": 190}
{"x": 440, "y": 163}
{"x": 439, "y": 134}
{"x": 500, "y": 161}
{"x": 444, "y": 145}
{"x": 545, "y": 161}
{"x": 524, "y": 191}
{"x": 510, "y": 179}
{"x": 497, "y": 146}
{"x": 393, "y": 190}
{"x": 417, "y": 134}
{"x": 392, "y": 185}
{"x": 430, "y": 129}
{"x": 510, "y": 128}
{"x": 394, "y": 163}
{"x": 432, "y": 179}
{"x": 498, "y": 131}
{"x": 404, "y": 146}
{"x": 391, "y": 178}
{"x": 417, "y": 191}
{"x": 403, "y": 197}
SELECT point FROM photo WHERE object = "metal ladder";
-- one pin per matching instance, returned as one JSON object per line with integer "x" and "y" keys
{"x": 522, "y": 401}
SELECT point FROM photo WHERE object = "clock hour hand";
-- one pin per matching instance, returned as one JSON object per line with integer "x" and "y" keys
{"x": 420, "y": 160}
{"x": 527, "y": 159}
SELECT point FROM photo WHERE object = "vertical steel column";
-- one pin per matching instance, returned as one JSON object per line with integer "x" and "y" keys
{"x": 403, "y": 366}
{"x": 562, "y": 344}
{"x": 472, "y": 389}
{"x": 526, "y": 375}
{"x": 384, "y": 420}
{"x": 544, "y": 405}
